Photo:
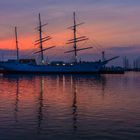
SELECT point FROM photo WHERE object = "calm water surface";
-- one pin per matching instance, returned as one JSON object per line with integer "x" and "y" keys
{"x": 66, "y": 107}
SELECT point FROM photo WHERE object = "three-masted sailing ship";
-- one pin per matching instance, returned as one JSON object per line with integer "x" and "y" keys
{"x": 76, "y": 66}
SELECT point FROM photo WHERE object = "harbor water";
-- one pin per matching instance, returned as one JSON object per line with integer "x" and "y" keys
{"x": 70, "y": 107}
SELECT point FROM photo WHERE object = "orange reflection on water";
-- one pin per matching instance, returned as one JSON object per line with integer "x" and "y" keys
{"x": 65, "y": 102}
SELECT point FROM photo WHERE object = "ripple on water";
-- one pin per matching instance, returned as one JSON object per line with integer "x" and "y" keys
{"x": 70, "y": 107}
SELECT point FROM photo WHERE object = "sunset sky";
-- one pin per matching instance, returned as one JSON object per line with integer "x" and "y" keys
{"x": 114, "y": 24}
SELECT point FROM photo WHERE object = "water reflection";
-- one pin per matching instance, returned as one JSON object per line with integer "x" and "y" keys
{"x": 103, "y": 84}
{"x": 62, "y": 81}
{"x": 69, "y": 106}
{"x": 40, "y": 106}
{"x": 74, "y": 104}
{"x": 17, "y": 100}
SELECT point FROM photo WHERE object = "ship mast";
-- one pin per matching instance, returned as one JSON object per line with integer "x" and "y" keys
{"x": 17, "y": 47}
{"x": 41, "y": 40}
{"x": 74, "y": 31}
{"x": 76, "y": 39}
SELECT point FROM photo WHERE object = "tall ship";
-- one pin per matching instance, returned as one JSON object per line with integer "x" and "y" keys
{"x": 29, "y": 66}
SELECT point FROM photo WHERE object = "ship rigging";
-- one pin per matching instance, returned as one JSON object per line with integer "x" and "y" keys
{"x": 42, "y": 40}
{"x": 76, "y": 39}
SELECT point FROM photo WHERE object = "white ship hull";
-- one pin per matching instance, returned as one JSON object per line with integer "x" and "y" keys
{"x": 91, "y": 67}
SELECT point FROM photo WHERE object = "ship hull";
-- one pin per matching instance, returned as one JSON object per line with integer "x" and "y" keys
{"x": 82, "y": 68}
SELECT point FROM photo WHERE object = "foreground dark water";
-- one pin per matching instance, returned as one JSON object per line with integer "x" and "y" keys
{"x": 66, "y": 107}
